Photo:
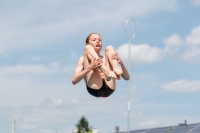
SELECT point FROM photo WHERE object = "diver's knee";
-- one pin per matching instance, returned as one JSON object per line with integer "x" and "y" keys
{"x": 88, "y": 47}
{"x": 109, "y": 47}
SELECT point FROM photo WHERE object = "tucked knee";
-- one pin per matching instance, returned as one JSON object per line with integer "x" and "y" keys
{"x": 109, "y": 47}
{"x": 88, "y": 47}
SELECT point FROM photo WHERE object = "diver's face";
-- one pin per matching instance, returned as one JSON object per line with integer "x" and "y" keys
{"x": 96, "y": 41}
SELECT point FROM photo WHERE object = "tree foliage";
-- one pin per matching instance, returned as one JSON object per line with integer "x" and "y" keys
{"x": 83, "y": 125}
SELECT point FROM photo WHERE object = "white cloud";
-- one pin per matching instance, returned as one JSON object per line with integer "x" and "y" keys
{"x": 173, "y": 44}
{"x": 191, "y": 53}
{"x": 195, "y": 2}
{"x": 35, "y": 58}
{"x": 73, "y": 56}
{"x": 34, "y": 88}
{"x": 194, "y": 37}
{"x": 37, "y": 69}
{"x": 25, "y": 69}
{"x": 182, "y": 85}
{"x": 69, "y": 68}
{"x": 54, "y": 65}
{"x": 133, "y": 114}
{"x": 164, "y": 120}
{"x": 59, "y": 111}
{"x": 58, "y": 101}
{"x": 49, "y": 112}
{"x": 26, "y": 126}
{"x": 140, "y": 54}
{"x": 53, "y": 21}
{"x": 149, "y": 124}
{"x": 173, "y": 40}
{"x": 145, "y": 54}
{"x": 69, "y": 111}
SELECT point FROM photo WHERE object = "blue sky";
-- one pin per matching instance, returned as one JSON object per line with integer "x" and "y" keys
{"x": 41, "y": 41}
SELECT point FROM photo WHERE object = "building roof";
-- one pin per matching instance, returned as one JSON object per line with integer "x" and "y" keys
{"x": 181, "y": 128}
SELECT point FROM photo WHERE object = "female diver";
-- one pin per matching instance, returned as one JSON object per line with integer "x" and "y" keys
{"x": 99, "y": 72}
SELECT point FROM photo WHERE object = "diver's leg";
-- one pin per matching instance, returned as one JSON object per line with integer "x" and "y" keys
{"x": 114, "y": 64}
{"x": 93, "y": 78}
{"x": 112, "y": 82}
{"x": 91, "y": 54}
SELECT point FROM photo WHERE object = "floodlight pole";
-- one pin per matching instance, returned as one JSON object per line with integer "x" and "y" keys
{"x": 129, "y": 69}
{"x": 13, "y": 126}
{"x": 129, "y": 85}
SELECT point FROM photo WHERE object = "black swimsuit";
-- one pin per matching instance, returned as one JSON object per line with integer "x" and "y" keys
{"x": 104, "y": 91}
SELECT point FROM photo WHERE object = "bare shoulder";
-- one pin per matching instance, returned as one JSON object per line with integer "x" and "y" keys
{"x": 79, "y": 66}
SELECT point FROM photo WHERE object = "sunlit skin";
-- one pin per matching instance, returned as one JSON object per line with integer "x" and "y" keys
{"x": 93, "y": 67}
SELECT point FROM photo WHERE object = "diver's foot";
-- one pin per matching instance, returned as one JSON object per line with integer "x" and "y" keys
{"x": 108, "y": 73}
{"x": 111, "y": 74}
{"x": 118, "y": 71}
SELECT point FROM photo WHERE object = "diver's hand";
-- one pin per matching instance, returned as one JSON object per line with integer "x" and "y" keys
{"x": 95, "y": 63}
{"x": 116, "y": 57}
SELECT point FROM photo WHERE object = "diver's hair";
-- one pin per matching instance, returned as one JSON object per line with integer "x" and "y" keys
{"x": 88, "y": 38}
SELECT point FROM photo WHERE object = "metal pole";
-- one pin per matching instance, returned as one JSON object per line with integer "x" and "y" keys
{"x": 13, "y": 126}
{"x": 129, "y": 69}
{"x": 129, "y": 85}
{"x": 56, "y": 131}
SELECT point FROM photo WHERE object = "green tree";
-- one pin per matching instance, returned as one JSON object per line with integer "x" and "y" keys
{"x": 83, "y": 125}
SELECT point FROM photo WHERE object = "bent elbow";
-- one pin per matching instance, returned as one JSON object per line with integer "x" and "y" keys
{"x": 73, "y": 82}
{"x": 127, "y": 78}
